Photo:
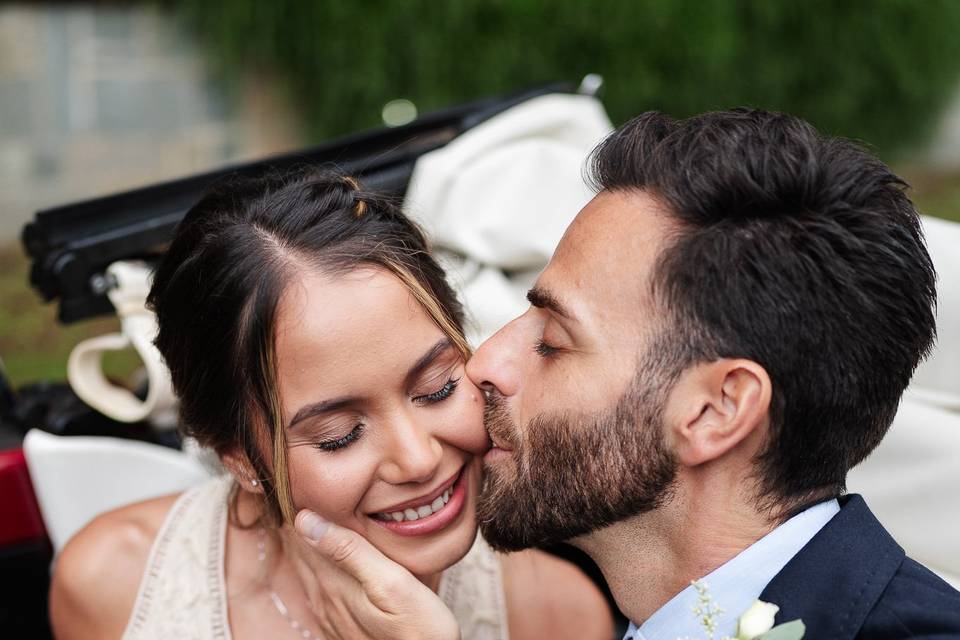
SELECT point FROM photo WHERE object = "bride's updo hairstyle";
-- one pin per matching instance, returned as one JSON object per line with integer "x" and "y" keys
{"x": 216, "y": 290}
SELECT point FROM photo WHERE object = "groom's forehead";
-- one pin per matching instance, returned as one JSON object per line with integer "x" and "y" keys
{"x": 611, "y": 246}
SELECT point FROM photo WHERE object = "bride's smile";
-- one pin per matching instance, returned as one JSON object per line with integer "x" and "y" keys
{"x": 382, "y": 422}
{"x": 429, "y": 513}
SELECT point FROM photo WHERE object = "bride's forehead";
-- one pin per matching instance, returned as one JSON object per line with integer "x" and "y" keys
{"x": 340, "y": 320}
{"x": 334, "y": 301}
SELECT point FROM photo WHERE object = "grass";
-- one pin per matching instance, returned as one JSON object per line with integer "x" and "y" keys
{"x": 35, "y": 347}
{"x": 936, "y": 194}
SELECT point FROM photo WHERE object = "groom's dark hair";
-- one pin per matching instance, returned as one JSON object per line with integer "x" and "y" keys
{"x": 798, "y": 251}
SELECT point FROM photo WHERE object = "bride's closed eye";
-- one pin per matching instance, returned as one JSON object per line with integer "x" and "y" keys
{"x": 439, "y": 395}
{"x": 339, "y": 443}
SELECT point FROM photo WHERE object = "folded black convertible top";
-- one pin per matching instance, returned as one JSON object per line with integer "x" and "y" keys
{"x": 70, "y": 246}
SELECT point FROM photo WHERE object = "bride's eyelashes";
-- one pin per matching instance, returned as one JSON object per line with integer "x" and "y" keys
{"x": 439, "y": 395}
{"x": 341, "y": 442}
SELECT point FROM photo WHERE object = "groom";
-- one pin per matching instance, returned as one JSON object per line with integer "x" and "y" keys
{"x": 723, "y": 332}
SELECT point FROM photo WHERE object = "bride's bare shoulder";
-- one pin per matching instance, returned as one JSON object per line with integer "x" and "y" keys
{"x": 97, "y": 574}
{"x": 548, "y": 597}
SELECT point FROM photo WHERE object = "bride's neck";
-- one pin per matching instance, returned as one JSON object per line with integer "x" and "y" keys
{"x": 249, "y": 509}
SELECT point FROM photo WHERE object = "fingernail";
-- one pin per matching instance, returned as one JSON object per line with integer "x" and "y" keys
{"x": 313, "y": 526}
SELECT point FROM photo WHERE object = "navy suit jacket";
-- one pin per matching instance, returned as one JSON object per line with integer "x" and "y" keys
{"x": 852, "y": 580}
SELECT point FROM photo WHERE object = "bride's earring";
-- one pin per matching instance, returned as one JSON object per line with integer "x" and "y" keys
{"x": 254, "y": 482}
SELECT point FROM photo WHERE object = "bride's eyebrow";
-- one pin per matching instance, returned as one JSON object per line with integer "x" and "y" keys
{"x": 316, "y": 408}
{"x": 328, "y": 406}
{"x": 427, "y": 359}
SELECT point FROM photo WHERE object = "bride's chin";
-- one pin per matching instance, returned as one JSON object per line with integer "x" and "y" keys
{"x": 432, "y": 554}
{"x": 430, "y": 557}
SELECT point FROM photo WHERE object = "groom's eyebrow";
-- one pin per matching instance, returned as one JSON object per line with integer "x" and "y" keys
{"x": 543, "y": 299}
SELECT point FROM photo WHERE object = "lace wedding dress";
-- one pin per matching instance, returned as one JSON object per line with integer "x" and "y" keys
{"x": 183, "y": 590}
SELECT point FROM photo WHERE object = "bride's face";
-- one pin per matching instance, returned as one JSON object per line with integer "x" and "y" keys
{"x": 384, "y": 430}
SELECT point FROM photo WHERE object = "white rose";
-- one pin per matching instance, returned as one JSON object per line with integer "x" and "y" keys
{"x": 757, "y": 620}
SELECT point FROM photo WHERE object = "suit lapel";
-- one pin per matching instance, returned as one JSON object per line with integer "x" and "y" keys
{"x": 837, "y": 578}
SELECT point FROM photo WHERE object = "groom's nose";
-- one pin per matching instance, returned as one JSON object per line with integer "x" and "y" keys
{"x": 495, "y": 365}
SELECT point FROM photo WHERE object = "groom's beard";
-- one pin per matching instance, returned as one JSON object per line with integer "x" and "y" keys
{"x": 572, "y": 475}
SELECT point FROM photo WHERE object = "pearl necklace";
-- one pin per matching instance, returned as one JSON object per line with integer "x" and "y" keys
{"x": 277, "y": 602}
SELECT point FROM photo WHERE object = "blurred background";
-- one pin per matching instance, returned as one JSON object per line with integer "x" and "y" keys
{"x": 100, "y": 97}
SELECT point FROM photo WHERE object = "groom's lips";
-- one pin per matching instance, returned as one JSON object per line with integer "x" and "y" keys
{"x": 497, "y": 443}
{"x": 498, "y": 450}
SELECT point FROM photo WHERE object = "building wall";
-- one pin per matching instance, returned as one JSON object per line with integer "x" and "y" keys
{"x": 94, "y": 100}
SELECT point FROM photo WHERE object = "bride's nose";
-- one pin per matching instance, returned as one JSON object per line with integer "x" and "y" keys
{"x": 413, "y": 452}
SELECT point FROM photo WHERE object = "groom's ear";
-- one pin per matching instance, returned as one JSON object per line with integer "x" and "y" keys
{"x": 716, "y": 407}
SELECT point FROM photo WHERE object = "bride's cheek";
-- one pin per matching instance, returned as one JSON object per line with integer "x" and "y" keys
{"x": 326, "y": 487}
{"x": 467, "y": 430}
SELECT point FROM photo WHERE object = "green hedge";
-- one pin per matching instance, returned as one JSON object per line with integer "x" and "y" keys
{"x": 879, "y": 70}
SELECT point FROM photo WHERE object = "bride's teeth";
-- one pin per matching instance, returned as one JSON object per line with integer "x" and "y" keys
{"x": 420, "y": 512}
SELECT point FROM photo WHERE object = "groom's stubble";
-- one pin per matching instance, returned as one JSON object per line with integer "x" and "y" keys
{"x": 573, "y": 474}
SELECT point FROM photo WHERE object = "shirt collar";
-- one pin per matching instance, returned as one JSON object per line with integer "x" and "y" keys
{"x": 736, "y": 584}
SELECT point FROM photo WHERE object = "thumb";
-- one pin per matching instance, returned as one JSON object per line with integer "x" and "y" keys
{"x": 353, "y": 554}
{"x": 403, "y": 606}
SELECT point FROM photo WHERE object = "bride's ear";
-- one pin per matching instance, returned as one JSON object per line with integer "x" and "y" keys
{"x": 717, "y": 406}
{"x": 242, "y": 471}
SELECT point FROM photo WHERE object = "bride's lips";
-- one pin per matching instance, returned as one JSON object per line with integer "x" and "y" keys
{"x": 439, "y": 519}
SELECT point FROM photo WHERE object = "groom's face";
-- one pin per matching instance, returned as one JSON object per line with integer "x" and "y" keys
{"x": 578, "y": 391}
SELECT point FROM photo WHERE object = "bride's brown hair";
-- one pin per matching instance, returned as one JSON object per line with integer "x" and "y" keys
{"x": 216, "y": 290}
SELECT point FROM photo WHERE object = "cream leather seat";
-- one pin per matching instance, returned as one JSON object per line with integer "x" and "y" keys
{"x": 78, "y": 477}
{"x": 912, "y": 480}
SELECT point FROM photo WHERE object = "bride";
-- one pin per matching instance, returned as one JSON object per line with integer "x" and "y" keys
{"x": 317, "y": 349}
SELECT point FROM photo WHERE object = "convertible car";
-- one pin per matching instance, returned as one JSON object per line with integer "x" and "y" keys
{"x": 72, "y": 449}
{"x": 494, "y": 182}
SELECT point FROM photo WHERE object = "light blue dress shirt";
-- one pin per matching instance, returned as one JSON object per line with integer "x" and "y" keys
{"x": 736, "y": 584}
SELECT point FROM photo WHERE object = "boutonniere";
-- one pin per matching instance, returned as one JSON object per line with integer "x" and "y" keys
{"x": 756, "y": 623}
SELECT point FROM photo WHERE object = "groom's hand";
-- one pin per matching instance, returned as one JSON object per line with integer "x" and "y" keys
{"x": 364, "y": 594}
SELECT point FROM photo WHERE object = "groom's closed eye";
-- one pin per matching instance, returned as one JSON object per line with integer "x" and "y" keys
{"x": 543, "y": 349}
{"x": 555, "y": 336}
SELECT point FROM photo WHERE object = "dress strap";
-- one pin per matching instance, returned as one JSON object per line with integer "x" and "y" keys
{"x": 183, "y": 591}
{"x": 473, "y": 590}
